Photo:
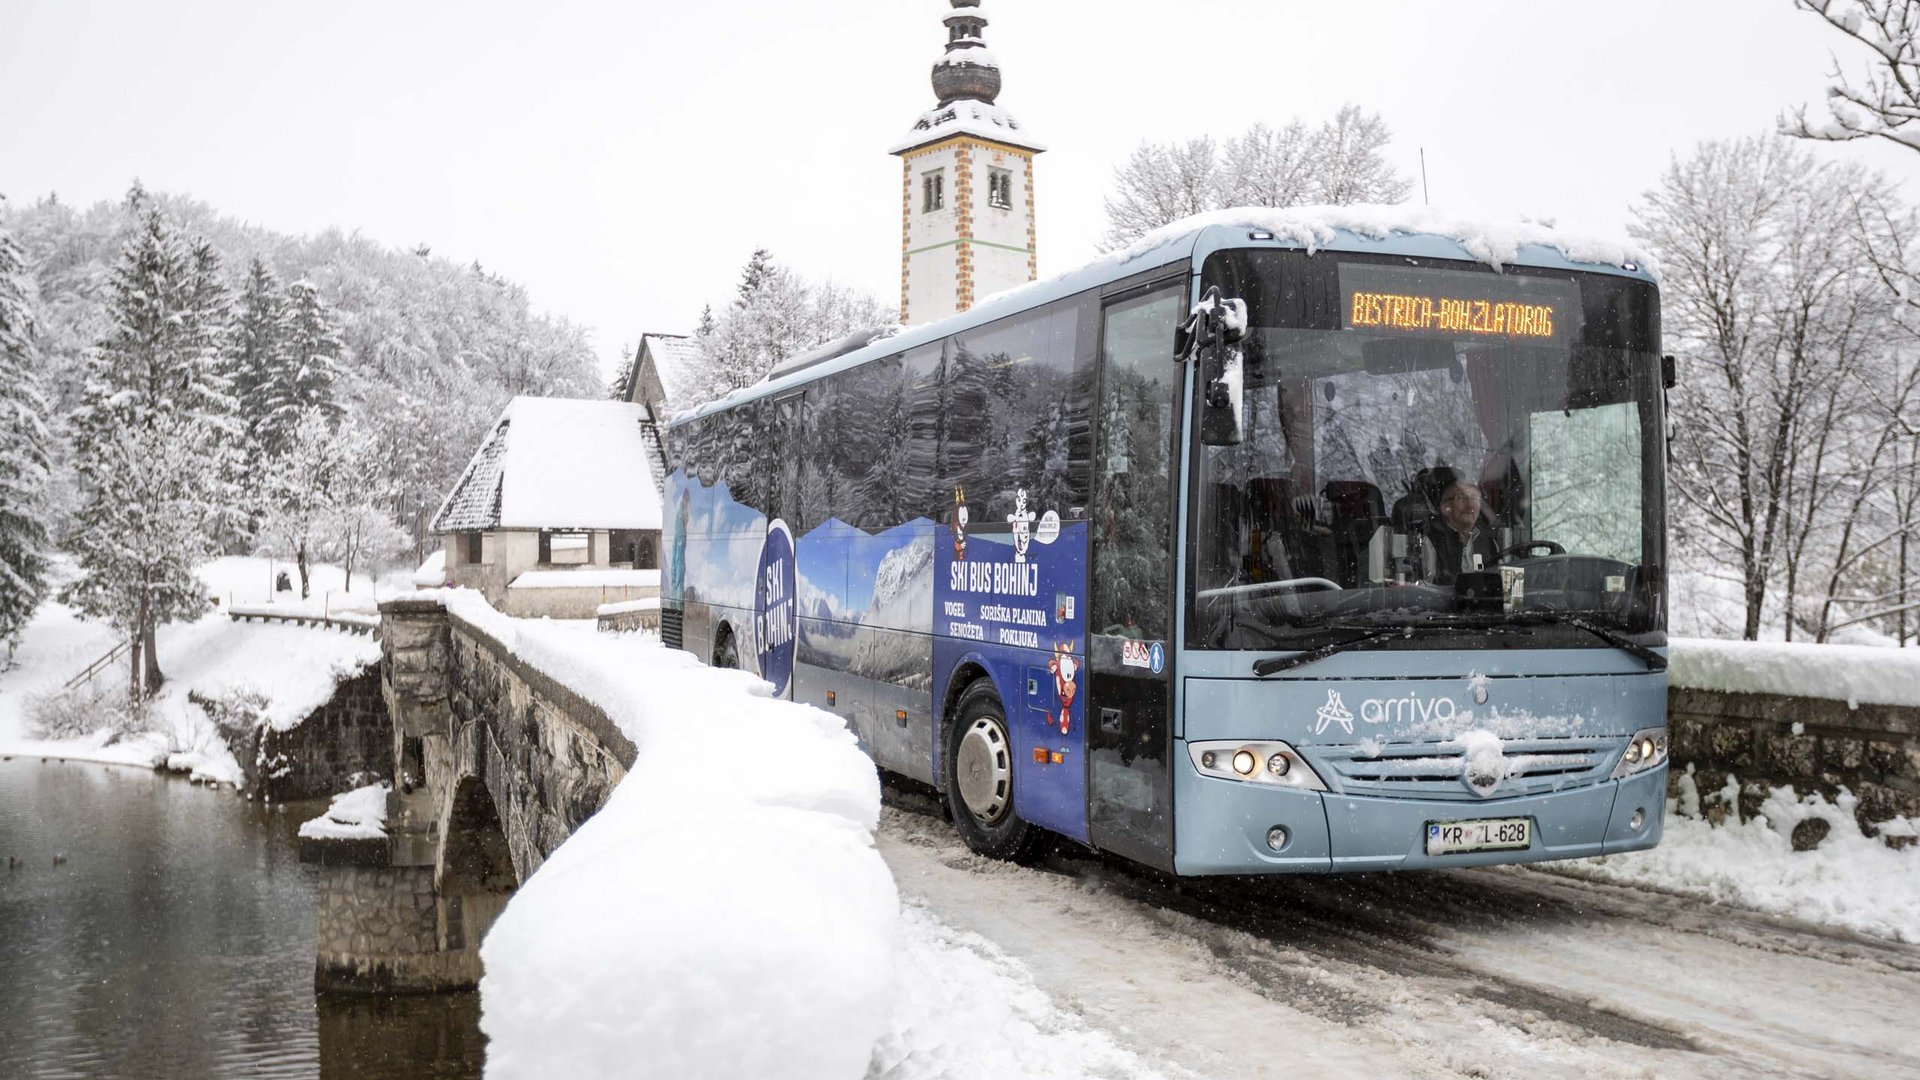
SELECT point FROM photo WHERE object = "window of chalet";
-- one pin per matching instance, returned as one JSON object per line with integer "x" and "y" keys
{"x": 565, "y": 548}
{"x": 476, "y": 548}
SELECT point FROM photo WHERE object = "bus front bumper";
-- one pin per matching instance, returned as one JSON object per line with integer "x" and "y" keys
{"x": 1223, "y": 826}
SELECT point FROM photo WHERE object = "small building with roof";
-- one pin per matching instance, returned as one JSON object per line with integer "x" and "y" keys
{"x": 558, "y": 513}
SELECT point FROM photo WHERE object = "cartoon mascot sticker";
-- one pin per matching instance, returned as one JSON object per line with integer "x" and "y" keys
{"x": 1065, "y": 669}
{"x": 959, "y": 524}
{"x": 1022, "y": 522}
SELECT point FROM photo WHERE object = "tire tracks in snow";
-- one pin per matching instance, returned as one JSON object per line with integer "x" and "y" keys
{"x": 1502, "y": 972}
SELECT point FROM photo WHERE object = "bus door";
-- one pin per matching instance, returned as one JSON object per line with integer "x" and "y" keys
{"x": 1131, "y": 580}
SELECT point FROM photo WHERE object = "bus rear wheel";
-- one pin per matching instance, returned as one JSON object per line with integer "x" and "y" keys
{"x": 726, "y": 654}
{"x": 979, "y": 768}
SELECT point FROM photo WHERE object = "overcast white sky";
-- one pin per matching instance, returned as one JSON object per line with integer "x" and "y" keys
{"x": 624, "y": 158}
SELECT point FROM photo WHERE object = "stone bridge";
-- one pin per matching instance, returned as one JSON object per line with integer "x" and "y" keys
{"x": 496, "y": 764}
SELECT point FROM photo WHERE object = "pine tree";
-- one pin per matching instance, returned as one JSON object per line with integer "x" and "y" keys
{"x": 256, "y": 348}
{"x": 154, "y": 444}
{"x": 617, "y": 388}
{"x": 754, "y": 277}
{"x": 308, "y": 369}
{"x": 24, "y": 462}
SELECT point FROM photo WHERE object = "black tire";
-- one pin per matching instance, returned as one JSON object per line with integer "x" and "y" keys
{"x": 726, "y": 652}
{"x": 986, "y": 821}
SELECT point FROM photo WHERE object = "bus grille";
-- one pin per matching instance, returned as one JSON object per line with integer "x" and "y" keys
{"x": 670, "y": 627}
{"x": 1439, "y": 770}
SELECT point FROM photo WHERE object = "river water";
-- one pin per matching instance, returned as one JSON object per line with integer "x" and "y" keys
{"x": 175, "y": 939}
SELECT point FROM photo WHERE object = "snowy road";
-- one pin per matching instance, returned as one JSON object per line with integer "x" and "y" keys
{"x": 1475, "y": 973}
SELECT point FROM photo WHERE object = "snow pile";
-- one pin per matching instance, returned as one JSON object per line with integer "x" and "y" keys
{"x": 360, "y": 814}
{"x": 1850, "y": 880}
{"x": 1856, "y": 674}
{"x": 433, "y": 572}
{"x": 1498, "y": 244}
{"x": 587, "y": 579}
{"x": 965, "y": 1010}
{"x": 725, "y": 914}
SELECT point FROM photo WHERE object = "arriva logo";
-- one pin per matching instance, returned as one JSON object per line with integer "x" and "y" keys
{"x": 1407, "y": 710}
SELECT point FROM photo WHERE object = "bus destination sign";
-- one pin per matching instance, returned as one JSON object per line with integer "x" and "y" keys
{"x": 1456, "y": 304}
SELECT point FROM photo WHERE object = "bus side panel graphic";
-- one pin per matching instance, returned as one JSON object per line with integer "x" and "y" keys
{"x": 1024, "y": 620}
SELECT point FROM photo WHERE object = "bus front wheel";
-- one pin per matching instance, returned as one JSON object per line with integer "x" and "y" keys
{"x": 979, "y": 770}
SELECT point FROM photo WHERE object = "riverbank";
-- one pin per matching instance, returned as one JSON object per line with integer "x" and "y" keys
{"x": 286, "y": 671}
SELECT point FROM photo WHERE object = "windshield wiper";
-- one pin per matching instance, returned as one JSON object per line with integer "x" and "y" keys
{"x": 1653, "y": 660}
{"x": 1273, "y": 665}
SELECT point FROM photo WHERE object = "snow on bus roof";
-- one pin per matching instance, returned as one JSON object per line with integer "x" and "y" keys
{"x": 1410, "y": 230}
{"x": 1499, "y": 244}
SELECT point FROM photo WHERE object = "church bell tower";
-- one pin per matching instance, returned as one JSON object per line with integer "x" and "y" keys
{"x": 966, "y": 184}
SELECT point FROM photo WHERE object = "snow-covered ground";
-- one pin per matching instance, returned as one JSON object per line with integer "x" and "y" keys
{"x": 296, "y": 669}
{"x": 1850, "y": 881}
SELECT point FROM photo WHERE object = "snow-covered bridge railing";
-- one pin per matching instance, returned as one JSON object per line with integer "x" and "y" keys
{"x": 351, "y": 622}
{"x": 1838, "y": 720}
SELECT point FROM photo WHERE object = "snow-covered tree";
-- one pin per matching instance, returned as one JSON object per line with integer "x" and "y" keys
{"x": 775, "y": 316}
{"x": 1338, "y": 163}
{"x": 1162, "y": 183}
{"x": 24, "y": 461}
{"x": 309, "y": 365}
{"x": 617, "y": 386}
{"x": 154, "y": 443}
{"x": 256, "y": 347}
{"x": 359, "y": 523}
{"x": 1884, "y": 103}
{"x": 1794, "y": 392}
{"x": 297, "y": 495}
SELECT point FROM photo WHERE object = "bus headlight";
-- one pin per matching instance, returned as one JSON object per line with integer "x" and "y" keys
{"x": 1271, "y": 763}
{"x": 1646, "y": 750}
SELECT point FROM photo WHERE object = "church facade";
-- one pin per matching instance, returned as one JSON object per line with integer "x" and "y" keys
{"x": 967, "y": 185}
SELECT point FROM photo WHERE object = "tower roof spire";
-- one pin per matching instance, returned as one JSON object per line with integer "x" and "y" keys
{"x": 966, "y": 83}
{"x": 967, "y": 71}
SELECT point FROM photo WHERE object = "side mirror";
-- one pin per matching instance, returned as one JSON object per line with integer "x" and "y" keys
{"x": 1669, "y": 372}
{"x": 1214, "y": 334}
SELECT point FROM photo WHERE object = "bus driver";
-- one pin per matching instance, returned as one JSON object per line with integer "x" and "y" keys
{"x": 1461, "y": 541}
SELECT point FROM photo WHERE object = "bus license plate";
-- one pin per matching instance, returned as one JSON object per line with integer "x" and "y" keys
{"x": 1490, "y": 834}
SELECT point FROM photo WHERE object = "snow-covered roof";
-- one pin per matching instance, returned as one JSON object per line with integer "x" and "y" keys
{"x": 674, "y": 360}
{"x": 964, "y": 117}
{"x": 558, "y": 463}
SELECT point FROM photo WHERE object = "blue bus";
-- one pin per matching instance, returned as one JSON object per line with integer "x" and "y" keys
{"x": 1229, "y": 554}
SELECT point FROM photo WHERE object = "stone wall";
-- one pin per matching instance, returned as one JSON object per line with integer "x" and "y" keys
{"x": 345, "y": 743}
{"x": 1810, "y": 744}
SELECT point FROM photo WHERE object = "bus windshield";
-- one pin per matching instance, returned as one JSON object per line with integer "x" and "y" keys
{"x": 1432, "y": 448}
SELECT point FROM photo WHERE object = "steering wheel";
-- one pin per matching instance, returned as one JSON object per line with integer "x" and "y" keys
{"x": 1526, "y": 549}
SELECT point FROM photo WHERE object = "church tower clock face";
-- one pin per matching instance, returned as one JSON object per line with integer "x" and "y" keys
{"x": 966, "y": 198}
